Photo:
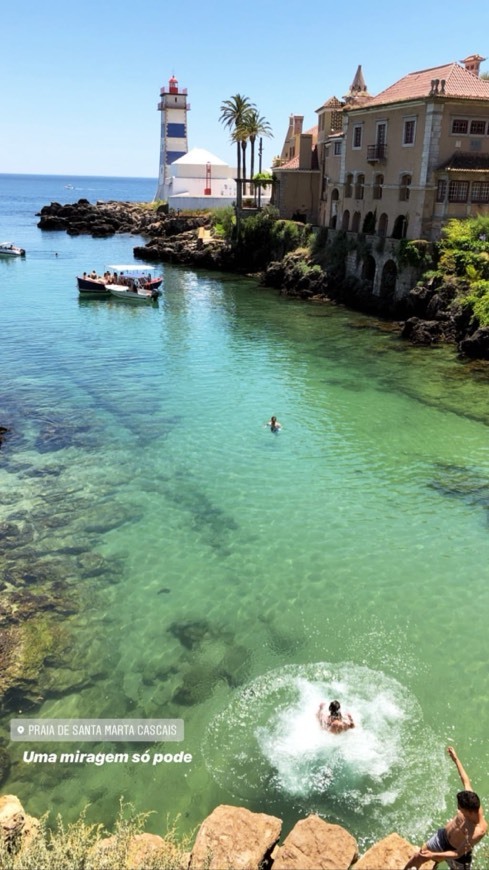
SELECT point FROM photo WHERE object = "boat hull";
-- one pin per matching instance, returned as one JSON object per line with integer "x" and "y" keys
{"x": 136, "y": 297}
{"x": 90, "y": 287}
{"x": 11, "y": 251}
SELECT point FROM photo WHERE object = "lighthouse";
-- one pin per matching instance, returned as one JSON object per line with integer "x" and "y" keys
{"x": 173, "y": 107}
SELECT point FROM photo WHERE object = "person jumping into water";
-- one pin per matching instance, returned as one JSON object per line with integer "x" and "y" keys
{"x": 454, "y": 842}
{"x": 274, "y": 424}
{"x": 335, "y": 722}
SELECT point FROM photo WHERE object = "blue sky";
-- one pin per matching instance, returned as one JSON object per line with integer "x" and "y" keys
{"x": 81, "y": 81}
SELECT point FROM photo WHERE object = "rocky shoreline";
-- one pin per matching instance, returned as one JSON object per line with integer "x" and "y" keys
{"x": 427, "y": 316}
{"x": 230, "y": 837}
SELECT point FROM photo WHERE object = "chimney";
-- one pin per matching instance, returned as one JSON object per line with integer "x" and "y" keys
{"x": 298, "y": 122}
{"x": 472, "y": 64}
{"x": 305, "y": 151}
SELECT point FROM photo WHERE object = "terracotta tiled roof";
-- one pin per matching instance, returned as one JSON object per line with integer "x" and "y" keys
{"x": 458, "y": 83}
{"x": 314, "y": 133}
{"x": 468, "y": 161}
{"x": 294, "y": 163}
{"x": 291, "y": 164}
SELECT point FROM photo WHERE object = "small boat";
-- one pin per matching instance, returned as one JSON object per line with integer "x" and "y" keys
{"x": 7, "y": 249}
{"x": 133, "y": 294}
{"x": 92, "y": 286}
{"x": 142, "y": 277}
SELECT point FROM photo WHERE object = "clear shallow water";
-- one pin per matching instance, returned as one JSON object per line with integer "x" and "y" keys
{"x": 233, "y": 577}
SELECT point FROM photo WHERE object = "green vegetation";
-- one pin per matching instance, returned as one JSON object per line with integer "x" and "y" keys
{"x": 245, "y": 124}
{"x": 223, "y": 222}
{"x": 79, "y": 846}
{"x": 264, "y": 238}
{"x": 463, "y": 259}
{"x": 418, "y": 253}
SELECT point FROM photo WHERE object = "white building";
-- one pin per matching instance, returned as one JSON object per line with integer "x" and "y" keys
{"x": 199, "y": 180}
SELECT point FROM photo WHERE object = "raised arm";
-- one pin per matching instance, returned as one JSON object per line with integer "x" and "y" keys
{"x": 461, "y": 770}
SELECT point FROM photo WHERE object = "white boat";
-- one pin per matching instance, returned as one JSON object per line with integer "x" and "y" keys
{"x": 135, "y": 283}
{"x": 8, "y": 249}
{"x": 133, "y": 294}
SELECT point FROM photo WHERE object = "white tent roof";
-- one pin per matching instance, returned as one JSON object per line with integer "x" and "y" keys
{"x": 199, "y": 157}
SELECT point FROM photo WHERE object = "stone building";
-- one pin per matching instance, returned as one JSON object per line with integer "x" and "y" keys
{"x": 412, "y": 157}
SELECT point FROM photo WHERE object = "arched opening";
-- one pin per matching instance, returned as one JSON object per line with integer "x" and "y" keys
{"x": 369, "y": 223}
{"x": 400, "y": 227}
{"x": 382, "y": 227}
{"x": 333, "y": 218}
{"x": 368, "y": 268}
{"x": 388, "y": 280}
{"x": 355, "y": 224}
{"x": 345, "y": 220}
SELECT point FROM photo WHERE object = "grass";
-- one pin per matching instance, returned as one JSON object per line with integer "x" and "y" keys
{"x": 77, "y": 846}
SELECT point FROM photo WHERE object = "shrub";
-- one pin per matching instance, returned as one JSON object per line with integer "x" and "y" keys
{"x": 223, "y": 221}
{"x": 478, "y": 300}
{"x": 74, "y": 847}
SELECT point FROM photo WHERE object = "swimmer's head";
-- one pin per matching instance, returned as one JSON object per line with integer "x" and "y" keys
{"x": 469, "y": 801}
{"x": 334, "y": 708}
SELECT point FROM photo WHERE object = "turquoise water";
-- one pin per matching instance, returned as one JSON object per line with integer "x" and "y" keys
{"x": 234, "y": 577}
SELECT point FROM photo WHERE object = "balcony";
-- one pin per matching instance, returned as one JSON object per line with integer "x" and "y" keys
{"x": 376, "y": 153}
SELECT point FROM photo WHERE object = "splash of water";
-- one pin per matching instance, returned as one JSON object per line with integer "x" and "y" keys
{"x": 268, "y": 742}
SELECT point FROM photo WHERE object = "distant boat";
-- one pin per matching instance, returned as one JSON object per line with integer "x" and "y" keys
{"x": 70, "y": 186}
{"x": 7, "y": 249}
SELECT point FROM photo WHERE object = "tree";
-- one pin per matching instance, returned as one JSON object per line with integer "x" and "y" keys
{"x": 233, "y": 112}
{"x": 256, "y": 125}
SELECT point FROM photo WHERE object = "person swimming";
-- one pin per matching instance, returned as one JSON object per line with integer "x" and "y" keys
{"x": 334, "y": 722}
{"x": 275, "y": 426}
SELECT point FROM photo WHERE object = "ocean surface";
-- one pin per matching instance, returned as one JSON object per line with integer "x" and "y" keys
{"x": 226, "y": 575}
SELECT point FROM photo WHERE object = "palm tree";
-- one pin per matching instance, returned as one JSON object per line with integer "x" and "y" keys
{"x": 233, "y": 112}
{"x": 256, "y": 125}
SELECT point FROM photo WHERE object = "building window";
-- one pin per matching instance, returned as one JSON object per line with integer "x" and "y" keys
{"x": 441, "y": 191}
{"x": 359, "y": 186}
{"x": 381, "y": 133}
{"x": 404, "y": 188}
{"x": 460, "y": 125}
{"x": 477, "y": 128}
{"x": 458, "y": 191}
{"x": 409, "y": 132}
{"x": 377, "y": 188}
{"x": 480, "y": 191}
{"x": 348, "y": 186}
{"x": 357, "y": 136}
{"x": 337, "y": 149}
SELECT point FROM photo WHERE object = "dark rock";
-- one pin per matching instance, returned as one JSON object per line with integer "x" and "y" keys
{"x": 191, "y": 633}
{"x": 477, "y": 344}
{"x": 422, "y": 332}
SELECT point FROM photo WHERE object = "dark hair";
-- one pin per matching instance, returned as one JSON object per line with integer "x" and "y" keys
{"x": 468, "y": 800}
{"x": 334, "y": 709}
